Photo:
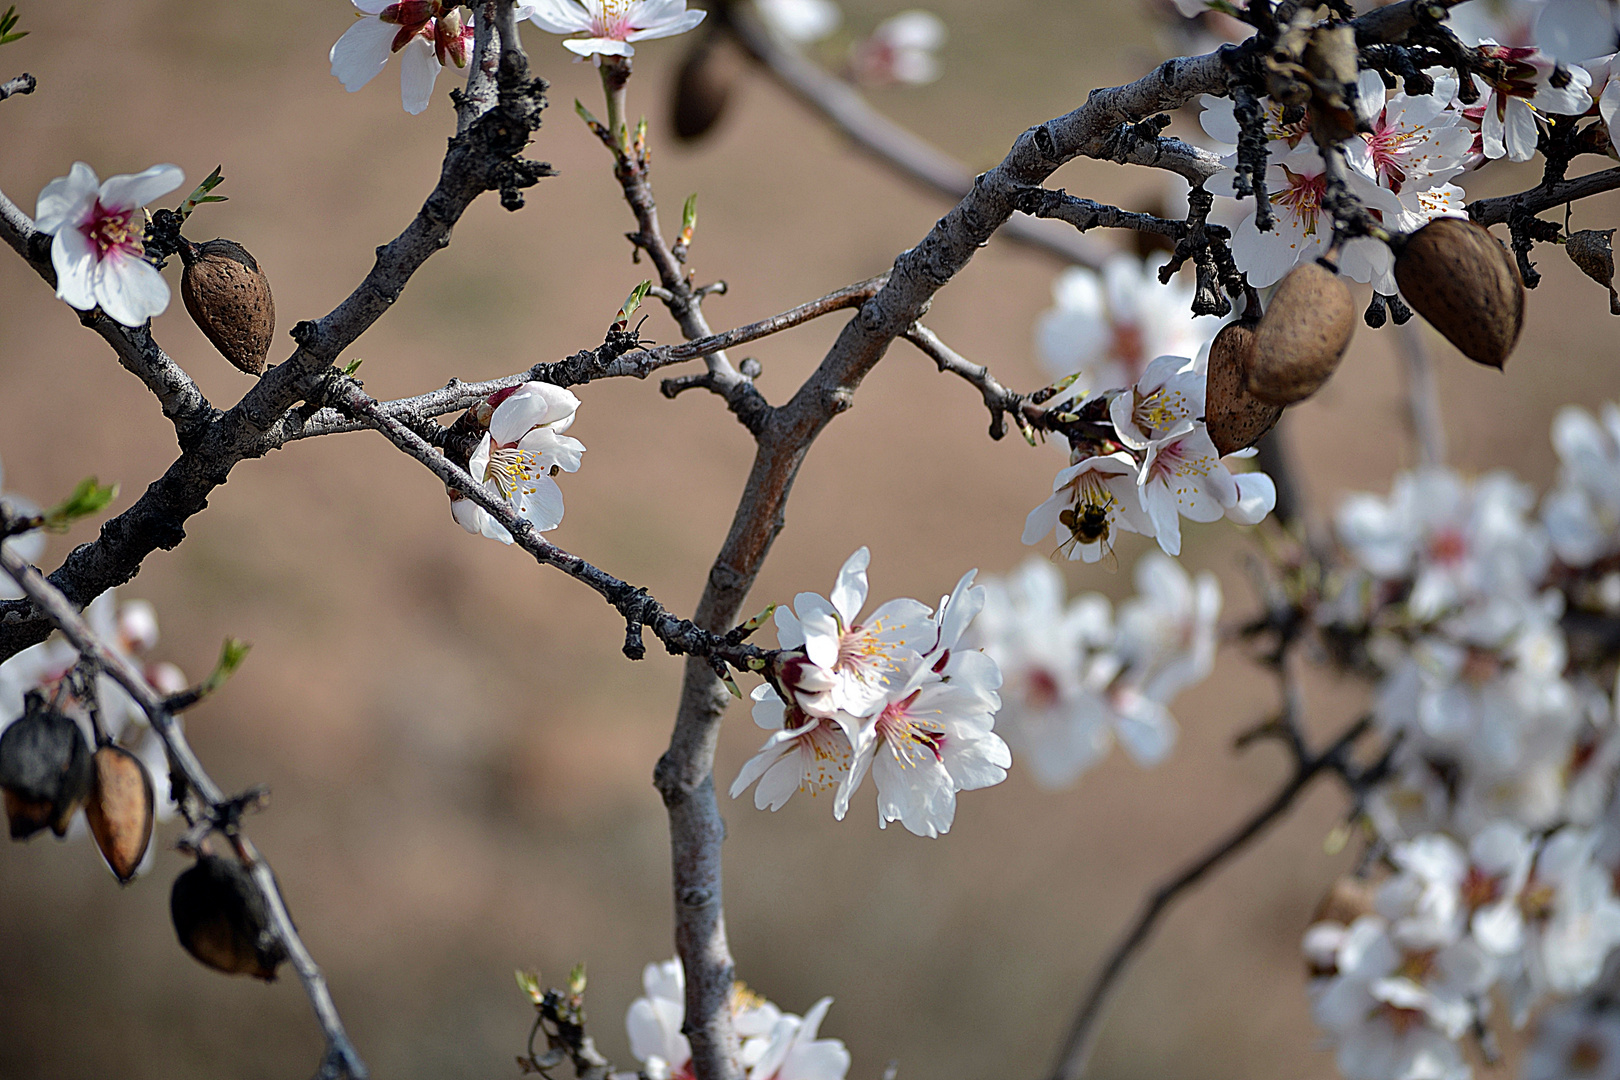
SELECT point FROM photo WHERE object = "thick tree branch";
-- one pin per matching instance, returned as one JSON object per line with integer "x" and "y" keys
{"x": 340, "y": 1059}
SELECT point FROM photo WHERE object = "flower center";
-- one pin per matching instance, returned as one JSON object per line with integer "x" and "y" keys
{"x": 112, "y": 230}
{"x": 512, "y": 471}
{"x": 611, "y": 19}
{"x": 1160, "y": 410}
{"x": 910, "y": 738}
{"x": 1302, "y": 198}
{"x": 1041, "y": 689}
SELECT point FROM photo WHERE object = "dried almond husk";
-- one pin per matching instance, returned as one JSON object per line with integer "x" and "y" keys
{"x": 229, "y": 299}
{"x": 1302, "y": 336}
{"x": 120, "y": 810}
{"x": 45, "y": 770}
{"x": 1235, "y": 418}
{"x": 1592, "y": 250}
{"x": 1458, "y": 276}
{"x": 222, "y": 919}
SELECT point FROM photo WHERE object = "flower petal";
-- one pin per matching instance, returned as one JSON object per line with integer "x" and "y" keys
{"x": 559, "y": 16}
{"x": 66, "y": 199}
{"x": 362, "y": 52}
{"x": 418, "y": 71}
{"x": 129, "y": 288}
{"x": 132, "y": 191}
{"x": 73, "y": 255}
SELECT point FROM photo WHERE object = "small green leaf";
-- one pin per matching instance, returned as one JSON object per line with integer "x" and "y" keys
{"x": 585, "y": 114}
{"x": 88, "y": 498}
{"x": 1337, "y": 839}
{"x": 576, "y": 980}
{"x": 688, "y": 219}
{"x": 631, "y": 303}
{"x": 731, "y": 683}
{"x": 231, "y": 655}
{"x": 200, "y": 194}
{"x": 352, "y": 367}
{"x": 7, "y": 21}
{"x": 529, "y": 983}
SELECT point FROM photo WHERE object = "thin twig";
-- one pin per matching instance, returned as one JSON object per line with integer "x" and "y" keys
{"x": 1543, "y": 197}
{"x": 1082, "y": 1036}
{"x": 340, "y": 1059}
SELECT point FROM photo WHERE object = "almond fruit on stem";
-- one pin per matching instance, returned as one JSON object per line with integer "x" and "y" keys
{"x": 1461, "y": 279}
{"x": 1302, "y": 336}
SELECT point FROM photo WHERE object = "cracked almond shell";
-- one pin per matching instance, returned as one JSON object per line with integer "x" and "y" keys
{"x": 222, "y": 919}
{"x": 1461, "y": 279}
{"x": 1235, "y": 418}
{"x": 229, "y": 299}
{"x": 1302, "y": 336}
{"x": 120, "y": 810}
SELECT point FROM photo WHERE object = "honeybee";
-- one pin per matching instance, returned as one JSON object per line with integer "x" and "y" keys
{"x": 1088, "y": 524}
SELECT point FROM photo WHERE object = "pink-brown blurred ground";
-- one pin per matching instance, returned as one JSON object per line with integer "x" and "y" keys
{"x": 460, "y": 757}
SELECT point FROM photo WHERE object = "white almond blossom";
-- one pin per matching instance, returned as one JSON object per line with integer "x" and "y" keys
{"x": 518, "y": 456}
{"x": 900, "y": 51}
{"x": 1509, "y": 109}
{"x": 794, "y": 1053}
{"x": 800, "y": 21}
{"x": 1167, "y": 401}
{"x": 851, "y": 666}
{"x": 1167, "y": 630}
{"x": 804, "y": 753}
{"x": 426, "y": 33}
{"x": 1105, "y": 327}
{"x": 98, "y": 249}
{"x": 1090, "y": 499}
{"x": 610, "y": 26}
{"x": 654, "y": 1024}
{"x": 1182, "y": 476}
{"x": 1582, "y": 514}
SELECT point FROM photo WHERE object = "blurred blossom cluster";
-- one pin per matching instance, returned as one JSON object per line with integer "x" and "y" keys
{"x": 1077, "y": 675}
{"x": 889, "y": 694}
{"x": 1483, "y": 619}
{"x": 776, "y": 1045}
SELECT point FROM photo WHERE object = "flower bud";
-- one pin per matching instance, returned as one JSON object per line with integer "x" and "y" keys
{"x": 1592, "y": 251}
{"x": 1302, "y": 335}
{"x": 45, "y": 770}
{"x": 120, "y": 810}
{"x": 229, "y": 298}
{"x": 1235, "y": 418}
{"x": 222, "y": 919}
{"x": 1459, "y": 277}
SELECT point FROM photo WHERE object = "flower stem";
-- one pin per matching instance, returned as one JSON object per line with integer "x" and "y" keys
{"x": 615, "y": 76}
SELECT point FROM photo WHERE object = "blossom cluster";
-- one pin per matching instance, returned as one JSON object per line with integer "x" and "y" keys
{"x": 1077, "y": 675}
{"x": 1498, "y": 812}
{"x": 891, "y": 695}
{"x": 776, "y": 1045}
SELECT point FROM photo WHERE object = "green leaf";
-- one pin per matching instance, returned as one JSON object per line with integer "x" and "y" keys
{"x": 631, "y": 303}
{"x": 352, "y": 367}
{"x": 585, "y": 114}
{"x": 200, "y": 194}
{"x": 576, "y": 980}
{"x": 231, "y": 655}
{"x": 688, "y": 218}
{"x": 88, "y": 498}
{"x": 759, "y": 620}
{"x": 7, "y": 21}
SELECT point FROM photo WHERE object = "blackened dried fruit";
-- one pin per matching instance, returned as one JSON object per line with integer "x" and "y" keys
{"x": 45, "y": 769}
{"x": 222, "y": 919}
{"x": 1235, "y": 417}
{"x": 120, "y": 810}
{"x": 1592, "y": 250}
{"x": 703, "y": 86}
{"x": 1459, "y": 277}
{"x": 229, "y": 299}
{"x": 1302, "y": 336}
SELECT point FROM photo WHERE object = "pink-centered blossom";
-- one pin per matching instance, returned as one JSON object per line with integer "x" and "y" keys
{"x": 1512, "y": 103}
{"x": 610, "y": 26}
{"x": 427, "y": 33}
{"x": 99, "y": 250}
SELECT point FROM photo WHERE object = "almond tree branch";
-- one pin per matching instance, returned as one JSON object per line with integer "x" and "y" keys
{"x": 22, "y": 84}
{"x": 340, "y": 1059}
{"x": 1082, "y": 1036}
{"x": 584, "y": 366}
{"x": 1543, "y": 196}
{"x": 485, "y": 158}
{"x": 636, "y": 605}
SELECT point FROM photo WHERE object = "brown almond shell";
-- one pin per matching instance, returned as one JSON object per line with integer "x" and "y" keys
{"x": 120, "y": 810}
{"x": 1302, "y": 336}
{"x": 1461, "y": 279}
{"x": 229, "y": 299}
{"x": 1235, "y": 418}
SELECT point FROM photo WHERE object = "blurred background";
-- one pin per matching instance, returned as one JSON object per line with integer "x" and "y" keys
{"x": 459, "y": 755}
